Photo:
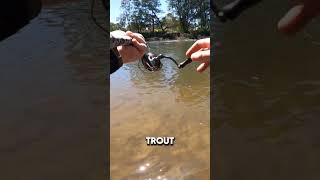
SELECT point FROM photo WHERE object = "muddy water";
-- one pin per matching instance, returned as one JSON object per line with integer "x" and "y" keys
{"x": 170, "y": 102}
{"x": 52, "y": 97}
{"x": 267, "y": 98}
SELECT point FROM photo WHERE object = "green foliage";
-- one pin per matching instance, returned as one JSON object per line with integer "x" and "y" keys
{"x": 140, "y": 15}
{"x": 187, "y": 16}
{"x": 192, "y": 14}
{"x": 171, "y": 23}
{"x": 116, "y": 26}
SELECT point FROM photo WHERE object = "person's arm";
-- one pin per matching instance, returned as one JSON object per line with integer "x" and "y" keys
{"x": 15, "y": 14}
{"x": 128, "y": 53}
{"x": 106, "y": 4}
{"x": 115, "y": 61}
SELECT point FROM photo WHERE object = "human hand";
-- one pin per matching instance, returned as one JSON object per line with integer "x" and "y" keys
{"x": 200, "y": 52}
{"x": 299, "y": 16}
{"x": 133, "y": 52}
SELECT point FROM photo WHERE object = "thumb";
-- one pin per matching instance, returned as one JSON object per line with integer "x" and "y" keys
{"x": 298, "y": 17}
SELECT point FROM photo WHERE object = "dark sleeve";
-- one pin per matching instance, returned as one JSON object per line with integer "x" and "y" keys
{"x": 15, "y": 14}
{"x": 106, "y": 4}
{"x": 115, "y": 63}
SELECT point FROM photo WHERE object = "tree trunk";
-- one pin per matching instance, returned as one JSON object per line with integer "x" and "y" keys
{"x": 152, "y": 25}
{"x": 184, "y": 25}
{"x": 156, "y": 17}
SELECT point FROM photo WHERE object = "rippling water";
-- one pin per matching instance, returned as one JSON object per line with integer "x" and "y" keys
{"x": 170, "y": 102}
{"x": 266, "y": 102}
{"x": 52, "y": 96}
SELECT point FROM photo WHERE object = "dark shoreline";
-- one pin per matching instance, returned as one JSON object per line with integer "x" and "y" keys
{"x": 173, "y": 36}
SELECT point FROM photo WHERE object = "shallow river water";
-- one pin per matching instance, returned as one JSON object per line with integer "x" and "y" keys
{"x": 170, "y": 102}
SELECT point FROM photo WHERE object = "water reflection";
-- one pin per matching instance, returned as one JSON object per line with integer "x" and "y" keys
{"x": 52, "y": 94}
{"x": 266, "y": 99}
{"x": 170, "y": 102}
{"x": 85, "y": 43}
{"x": 188, "y": 85}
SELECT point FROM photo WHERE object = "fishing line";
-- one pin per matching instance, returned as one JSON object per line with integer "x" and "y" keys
{"x": 104, "y": 2}
{"x": 93, "y": 2}
{"x": 150, "y": 61}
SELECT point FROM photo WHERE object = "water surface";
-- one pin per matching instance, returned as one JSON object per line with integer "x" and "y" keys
{"x": 170, "y": 102}
{"x": 266, "y": 98}
{"x": 52, "y": 96}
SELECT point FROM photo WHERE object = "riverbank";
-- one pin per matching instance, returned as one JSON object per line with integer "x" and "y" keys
{"x": 159, "y": 36}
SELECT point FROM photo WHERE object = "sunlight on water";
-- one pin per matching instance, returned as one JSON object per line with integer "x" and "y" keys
{"x": 170, "y": 102}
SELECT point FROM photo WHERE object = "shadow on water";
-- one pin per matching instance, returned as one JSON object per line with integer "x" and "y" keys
{"x": 85, "y": 43}
{"x": 52, "y": 96}
{"x": 170, "y": 102}
{"x": 266, "y": 98}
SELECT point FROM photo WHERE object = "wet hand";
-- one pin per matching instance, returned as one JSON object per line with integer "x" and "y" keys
{"x": 133, "y": 52}
{"x": 200, "y": 52}
{"x": 299, "y": 16}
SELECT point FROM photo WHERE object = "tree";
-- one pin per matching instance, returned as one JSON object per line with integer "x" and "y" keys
{"x": 126, "y": 7}
{"x": 115, "y": 26}
{"x": 182, "y": 9}
{"x": 140, "y": 14}
{"x": 151, "y": 7}
{"x": 203, "y": 14}
{"x": 191, "y": 12}
{"x": 171, "y": 22}
{"x": 143, "y": 15}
